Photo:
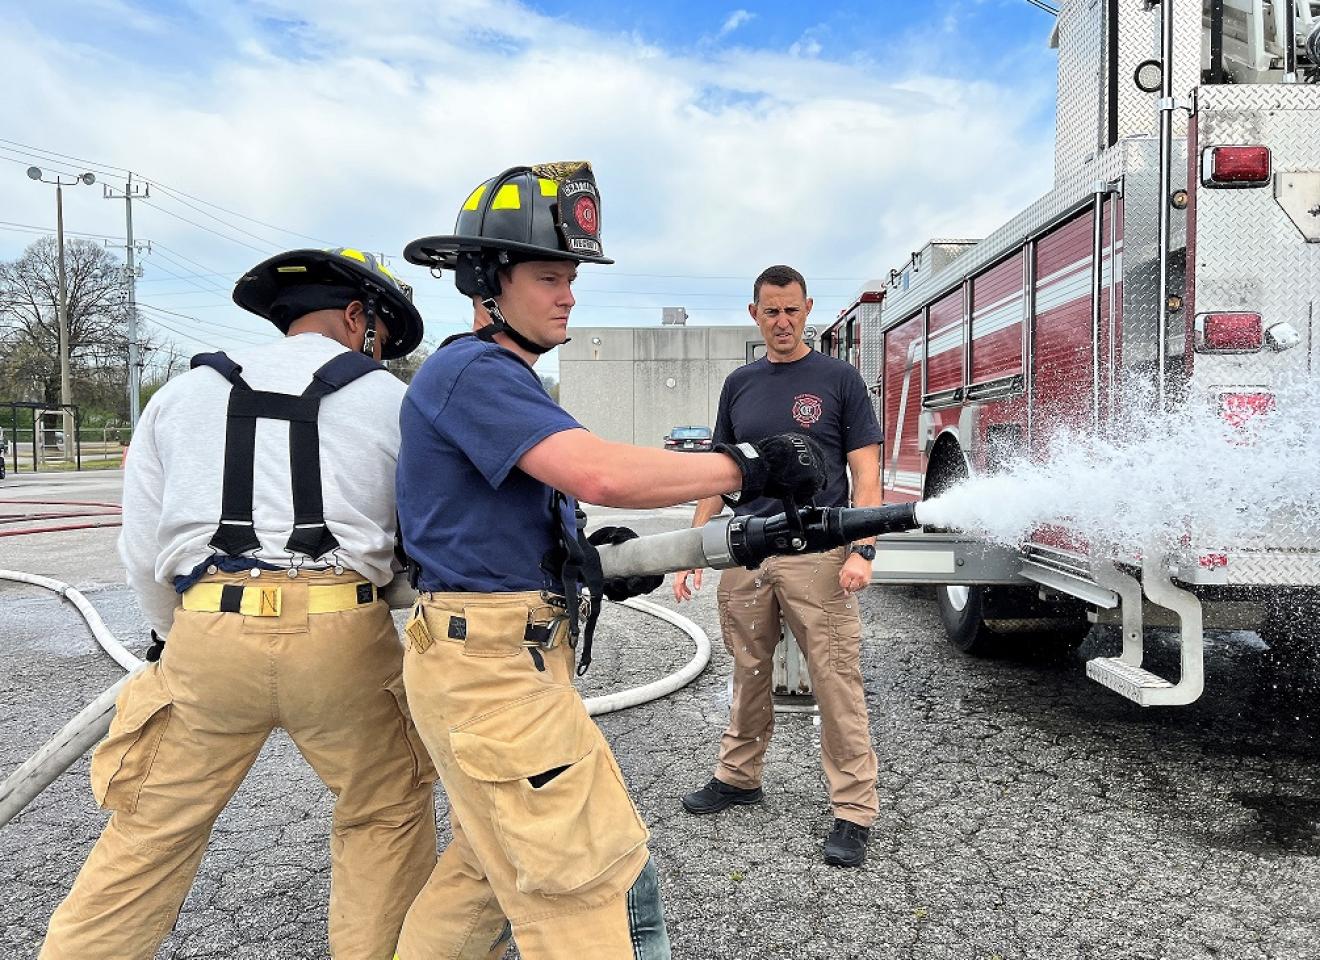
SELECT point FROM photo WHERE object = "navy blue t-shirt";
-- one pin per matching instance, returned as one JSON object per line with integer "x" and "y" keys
{"x": 469, "y": 516}
{"x": 817, "y": 395}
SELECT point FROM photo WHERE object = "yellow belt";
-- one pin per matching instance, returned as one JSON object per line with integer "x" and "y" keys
{"x": 265, "y": 601}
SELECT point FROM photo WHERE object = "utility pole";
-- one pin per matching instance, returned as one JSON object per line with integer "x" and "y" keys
{"x": 131, "y": 192}
{"x": 61, "y": 299}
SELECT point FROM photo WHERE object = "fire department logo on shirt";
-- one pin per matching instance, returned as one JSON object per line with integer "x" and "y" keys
{"x": 806, "y": 409}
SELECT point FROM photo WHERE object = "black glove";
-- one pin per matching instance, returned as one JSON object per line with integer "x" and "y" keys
{"x": 785, "y": 465}
{"x": 621, "y": 588}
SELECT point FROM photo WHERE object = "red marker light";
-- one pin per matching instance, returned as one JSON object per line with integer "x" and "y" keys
{"x": 1229, "y": 332}
{"x": 1235, "y": 166}
{"x": 1239, "y": 408}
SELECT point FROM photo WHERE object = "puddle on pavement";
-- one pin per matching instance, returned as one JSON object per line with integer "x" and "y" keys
{"x": 1290, "y": 824}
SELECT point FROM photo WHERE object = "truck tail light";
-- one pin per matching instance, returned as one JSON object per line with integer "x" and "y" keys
{"x": 1235, "y": 166}
{"x": 1238, "y": 409}
{"x": 1229, "y": 332}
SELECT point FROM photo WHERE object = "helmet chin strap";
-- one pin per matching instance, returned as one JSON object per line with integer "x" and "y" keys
{"x": 369, "y": 336}
{"x": 499, "y": 325}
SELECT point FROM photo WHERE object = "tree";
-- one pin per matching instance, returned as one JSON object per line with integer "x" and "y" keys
{"x": 405, "y": 368}
{"x": 97, "y": 316}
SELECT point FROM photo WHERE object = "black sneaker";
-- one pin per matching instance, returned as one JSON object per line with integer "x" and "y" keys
{"x": 716, "y": 795}
{"x": 846, "y": 844}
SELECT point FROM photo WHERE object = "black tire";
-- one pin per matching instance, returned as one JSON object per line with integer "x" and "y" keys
{"x": 990, "y": 621}
{"x": 960, "y": 612}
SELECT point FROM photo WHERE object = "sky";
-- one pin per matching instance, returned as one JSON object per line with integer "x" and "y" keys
{"x": 835, "y": 136}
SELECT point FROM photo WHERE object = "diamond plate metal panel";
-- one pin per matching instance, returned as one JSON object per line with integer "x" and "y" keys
{"x": 1263, "y": 568}
{"x": 1070, "y": 194}
{"x": 1249, "y": 254}
{"x": 1251, "y": 257}
{"x": 1078, "y": 114}
{"x": 872, "y": 351}
{"x": 1139, "y": 39}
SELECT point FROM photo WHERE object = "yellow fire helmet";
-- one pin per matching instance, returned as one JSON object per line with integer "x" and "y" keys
{"x": 292, "y": 284}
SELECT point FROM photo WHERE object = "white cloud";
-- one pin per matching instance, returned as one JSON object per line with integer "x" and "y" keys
{"x": 369, "y": 125}
{"x": 733, "y": 22}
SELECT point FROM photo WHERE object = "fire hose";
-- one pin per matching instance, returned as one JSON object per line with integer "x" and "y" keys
{"x": 722, "y": 543}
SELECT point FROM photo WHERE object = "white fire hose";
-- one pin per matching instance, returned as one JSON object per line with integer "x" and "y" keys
{"x": 719, "y": 544}
{"x": 87, "y": 728}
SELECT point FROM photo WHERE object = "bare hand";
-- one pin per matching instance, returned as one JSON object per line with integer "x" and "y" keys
{"x": 681, "y": 589}
{"x": 856, "y": 573}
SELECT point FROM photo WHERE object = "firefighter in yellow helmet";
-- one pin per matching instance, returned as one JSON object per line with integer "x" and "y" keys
{"x": 258, "y": 524}
{"x": 545, "y": 835}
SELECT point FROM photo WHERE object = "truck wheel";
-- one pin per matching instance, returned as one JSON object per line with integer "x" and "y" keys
{"x": 985, "y": 621}
{"x": 960, "y": 612}
{"x": 1291, "y": 630}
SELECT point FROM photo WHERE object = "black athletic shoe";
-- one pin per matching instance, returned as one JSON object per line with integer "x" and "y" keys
{"x": 846, "y": 844}
{"x": 716, "y": 795}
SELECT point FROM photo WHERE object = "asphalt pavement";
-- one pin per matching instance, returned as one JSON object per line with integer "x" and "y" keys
{"x": 1026, "y": 812}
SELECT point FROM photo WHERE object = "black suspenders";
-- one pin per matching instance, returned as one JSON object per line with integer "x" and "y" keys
{"x": 311, "y": 537}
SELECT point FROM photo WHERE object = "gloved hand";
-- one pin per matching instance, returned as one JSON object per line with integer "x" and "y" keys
{"x": 784, "y": 465}
{"x": 621, "y": 588}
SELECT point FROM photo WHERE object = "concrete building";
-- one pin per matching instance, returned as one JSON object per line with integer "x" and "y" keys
{"x": 634, "y": 384}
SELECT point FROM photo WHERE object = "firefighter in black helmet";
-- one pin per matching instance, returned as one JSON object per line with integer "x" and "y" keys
{"x": 546, "y": 841}
{"x": 258, "y": 526}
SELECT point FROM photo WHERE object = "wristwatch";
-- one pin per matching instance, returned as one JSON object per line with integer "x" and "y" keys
{"x": 866, "y": 550}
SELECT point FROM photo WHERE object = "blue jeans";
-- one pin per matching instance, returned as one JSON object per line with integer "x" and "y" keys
{"x": 646, "y": 917}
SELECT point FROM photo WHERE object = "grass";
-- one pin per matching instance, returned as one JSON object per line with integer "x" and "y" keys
{"x": 60, "y": 466}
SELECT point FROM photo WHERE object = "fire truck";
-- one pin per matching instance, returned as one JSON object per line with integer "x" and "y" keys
{"x": 1179, "y": 251}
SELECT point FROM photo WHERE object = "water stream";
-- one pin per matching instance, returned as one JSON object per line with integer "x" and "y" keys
{"x": 1193, "y": 476}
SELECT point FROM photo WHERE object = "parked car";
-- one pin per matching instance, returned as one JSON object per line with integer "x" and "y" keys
{"x": 697, "y": 439}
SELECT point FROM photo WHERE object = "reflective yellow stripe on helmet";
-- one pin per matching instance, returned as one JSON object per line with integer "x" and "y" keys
{"x": 352, "y": 254}
{"x": 474, "y": 198}
{"x": 507, "y": 198}
{"x": 549, "y": 188}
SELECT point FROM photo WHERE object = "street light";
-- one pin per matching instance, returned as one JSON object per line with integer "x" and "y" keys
{"x": 61, "y": 308}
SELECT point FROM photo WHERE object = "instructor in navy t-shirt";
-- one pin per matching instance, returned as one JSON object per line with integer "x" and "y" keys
{"x": 546, "y": 846}
{"x": 795, "y": 388}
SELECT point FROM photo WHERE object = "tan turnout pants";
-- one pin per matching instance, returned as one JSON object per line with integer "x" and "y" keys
{"x": 825, "y": 620}
{"x": 545, "y": 834}
{"x": 188, "y": 728}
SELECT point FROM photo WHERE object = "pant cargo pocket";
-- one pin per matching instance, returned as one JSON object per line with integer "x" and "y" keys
{"x": 845, "y": 642}
{"x": 423, "y": 769}
{"x": 123, "y": 759}
{"x": 560, "y": 807}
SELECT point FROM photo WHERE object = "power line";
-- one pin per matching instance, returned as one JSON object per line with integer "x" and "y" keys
{"x": 237, "y": 332}
{"x": 187, "y": 275}
{"x": 196, "y": 263}
{"x": 119, "y": 171}
{"x": 235, "y": 213}
{"x": 46, "y": 231}
{"x": 206, "y": 213}
{"x": 175, "y": 191}
{"x": 202, "y": 226}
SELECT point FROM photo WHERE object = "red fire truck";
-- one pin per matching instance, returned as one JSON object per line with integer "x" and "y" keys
{"x": 1178, "y": 249}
